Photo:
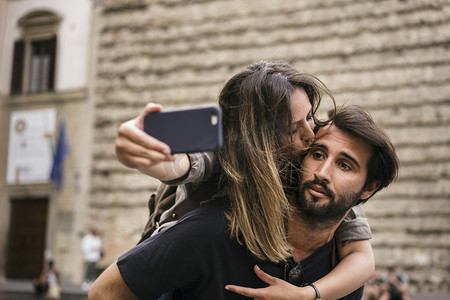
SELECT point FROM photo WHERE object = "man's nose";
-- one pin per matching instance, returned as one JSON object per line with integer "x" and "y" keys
{"x": 323, "y": 171}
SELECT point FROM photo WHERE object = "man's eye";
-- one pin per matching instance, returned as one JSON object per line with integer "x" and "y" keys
{"x": 345, "y": 166}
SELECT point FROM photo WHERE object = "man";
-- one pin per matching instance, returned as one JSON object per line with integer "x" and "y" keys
{"x": 91, "y": 245}
{"x": 284, "y": 102}
{"x": 347, "y": 164}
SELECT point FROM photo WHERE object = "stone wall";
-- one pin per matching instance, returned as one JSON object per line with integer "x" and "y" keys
{"x": 391, "y": 57}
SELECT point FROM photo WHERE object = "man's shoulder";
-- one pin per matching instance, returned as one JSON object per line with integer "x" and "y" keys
{"x": 201, "y": 223}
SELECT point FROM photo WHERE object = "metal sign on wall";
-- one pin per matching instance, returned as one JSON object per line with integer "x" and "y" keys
{"x": 30, "y": 147}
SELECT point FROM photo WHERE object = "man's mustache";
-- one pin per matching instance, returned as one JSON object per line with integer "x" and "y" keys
{"x": 320, "y": 183}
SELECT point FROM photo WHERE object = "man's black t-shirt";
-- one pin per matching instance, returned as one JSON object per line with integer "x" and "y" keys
{"x": 318, "y": 265}
{"x": 198, "y": 258}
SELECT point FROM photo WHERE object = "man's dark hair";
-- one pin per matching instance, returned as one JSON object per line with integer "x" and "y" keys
{"x": 383, "y": 165}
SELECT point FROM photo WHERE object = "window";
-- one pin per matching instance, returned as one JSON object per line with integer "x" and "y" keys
{"x": 35, "y": 54}
{"x": 41, "y": 57}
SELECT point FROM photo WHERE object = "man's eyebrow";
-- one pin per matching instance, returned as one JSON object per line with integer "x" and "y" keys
{"x": 318, "y": 145}
{"x": 349, "y": 157}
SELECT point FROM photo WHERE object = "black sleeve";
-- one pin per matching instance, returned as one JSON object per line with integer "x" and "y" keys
{"x": 175, "y": 258}
{"x": 356, "y": 295}
{"x": 163, "y": 263}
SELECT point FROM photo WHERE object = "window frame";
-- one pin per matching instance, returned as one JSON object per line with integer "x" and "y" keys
{"x": 35, "y": 27}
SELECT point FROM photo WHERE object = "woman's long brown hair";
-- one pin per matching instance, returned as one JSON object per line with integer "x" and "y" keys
{"x": 256, "y": 106}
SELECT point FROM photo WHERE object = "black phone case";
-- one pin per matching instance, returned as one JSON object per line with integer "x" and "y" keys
{"x": 189, "y": 130}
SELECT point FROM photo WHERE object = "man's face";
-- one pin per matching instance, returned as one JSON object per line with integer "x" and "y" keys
{"x": 333, "y": 175}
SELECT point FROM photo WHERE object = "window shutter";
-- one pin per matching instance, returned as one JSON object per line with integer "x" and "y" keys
{"x": 18, "y": 63}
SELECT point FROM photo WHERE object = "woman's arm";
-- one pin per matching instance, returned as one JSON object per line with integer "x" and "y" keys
{"x": 357, "y": 265}
{"x": 355, "y": 268}
{"x": 278, "y": 289}
{"x": 138, "y": 150}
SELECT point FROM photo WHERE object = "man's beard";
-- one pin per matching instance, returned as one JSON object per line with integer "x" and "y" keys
{"x": 322, "y": 216}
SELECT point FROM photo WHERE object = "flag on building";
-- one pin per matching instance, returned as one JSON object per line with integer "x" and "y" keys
{"x": 62, "y": 149}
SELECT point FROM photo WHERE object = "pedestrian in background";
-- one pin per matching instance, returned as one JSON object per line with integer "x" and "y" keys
{"x": 48, "y": 283}
{"x": 91, "y": 245}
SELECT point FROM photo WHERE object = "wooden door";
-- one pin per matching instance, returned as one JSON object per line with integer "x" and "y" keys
{"x": 26, "y": 238}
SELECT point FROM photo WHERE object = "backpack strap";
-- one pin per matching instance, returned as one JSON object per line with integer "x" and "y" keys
{"x": 159, "y": 201}
{"x": 164, "y": 199}
{"x": 334, "y": 254}
{"x": 202, "y": 193}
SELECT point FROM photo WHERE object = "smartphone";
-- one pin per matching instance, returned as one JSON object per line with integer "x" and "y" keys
{"x": 187, "y": 130}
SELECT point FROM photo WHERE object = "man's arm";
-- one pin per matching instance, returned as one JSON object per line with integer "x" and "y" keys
{"x": 110, "y": 285}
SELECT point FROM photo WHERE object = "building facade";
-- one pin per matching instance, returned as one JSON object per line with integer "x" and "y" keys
{"x": 44, "y": 87}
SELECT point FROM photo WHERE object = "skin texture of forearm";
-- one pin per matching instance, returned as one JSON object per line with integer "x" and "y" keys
{"x": 168, "y": 170}
{"x": 357, "y": 265}
{"x": 110, "y": 286}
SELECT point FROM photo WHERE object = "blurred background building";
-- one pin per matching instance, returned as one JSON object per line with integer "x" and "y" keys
{"x": 83, "y": 67}
{"x": 45, "y": 60}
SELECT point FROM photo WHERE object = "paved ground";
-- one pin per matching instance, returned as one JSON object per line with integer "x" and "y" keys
{"x": 23, "y": 290}
{"x": 431, "y": 297}
{"x": 69, "y": 296}
{"x": 30, "y": 296}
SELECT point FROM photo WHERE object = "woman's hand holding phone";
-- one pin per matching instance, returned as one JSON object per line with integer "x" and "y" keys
{"x": 138, "y": 150}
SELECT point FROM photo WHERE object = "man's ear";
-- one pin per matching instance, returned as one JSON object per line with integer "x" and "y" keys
{"x": 369, "y": 190}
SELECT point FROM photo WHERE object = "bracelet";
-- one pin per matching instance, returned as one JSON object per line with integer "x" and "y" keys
{"x": 316, "y": 290}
